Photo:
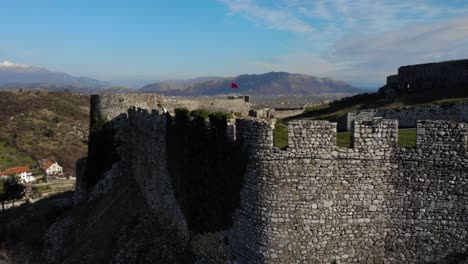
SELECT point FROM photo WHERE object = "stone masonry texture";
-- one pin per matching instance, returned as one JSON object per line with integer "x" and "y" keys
{"x": 314, "y": 202}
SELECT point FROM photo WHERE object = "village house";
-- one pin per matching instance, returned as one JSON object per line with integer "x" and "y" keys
{"x": 52, "y": 169}
{"x": 23, "y": 173}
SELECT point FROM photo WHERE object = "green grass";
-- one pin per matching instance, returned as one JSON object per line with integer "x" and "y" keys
{"x": 407, "y": 137}
{"x": 43, "y": 125}
{"x": 314, "y": 108}
{"x": 343, "y": 139}
{"x": 11, "y": 157}
{"x": 280, "y": 136}
{"x": 338, "y": 109}
{"x": 42, "y": 188}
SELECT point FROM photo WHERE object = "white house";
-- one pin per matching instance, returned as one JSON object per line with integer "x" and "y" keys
{"x": 23, "y": 173}
{"x": 52, "y": 169}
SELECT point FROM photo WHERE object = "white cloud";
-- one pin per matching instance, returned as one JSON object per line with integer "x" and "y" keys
{"x": 275, "y": 19}
{"x": 366, "y": 60}
{"x": 11, "y": 64}
{"x": 360, "y": 41}
{"x": 383, "y": 53}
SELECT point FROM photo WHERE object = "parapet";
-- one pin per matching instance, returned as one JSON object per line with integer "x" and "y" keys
{"x": 111, "y": 105}
{"x": 370, "y": 134}
{"x": 441, "y": 136}
{"x": 307, "y": 135}
{"x": 255, "y": 133}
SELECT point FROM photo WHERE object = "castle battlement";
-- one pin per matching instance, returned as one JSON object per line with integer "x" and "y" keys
{"x": 315, "y": 202}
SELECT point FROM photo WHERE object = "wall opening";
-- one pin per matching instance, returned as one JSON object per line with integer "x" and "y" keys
{"x": 280, "y": 136}
{"x": 407, "y": 137}
{"x": 344, "y": 139}
{"x": 407, "y": 87}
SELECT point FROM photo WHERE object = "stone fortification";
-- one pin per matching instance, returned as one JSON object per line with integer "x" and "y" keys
{"x": 409, "y": 116}
{"x": 314, "y": 202}
{"x": 111, "y": 105}
{"x": 148, "y": 165}
{"x": 430, "y": 76}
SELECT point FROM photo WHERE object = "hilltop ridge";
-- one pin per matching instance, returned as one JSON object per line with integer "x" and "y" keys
{"x": 272, "y": 83}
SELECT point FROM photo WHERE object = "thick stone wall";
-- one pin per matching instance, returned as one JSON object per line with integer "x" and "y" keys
{"x": 148, "y": 165}
{"x": 409, "y": 116}
{"x": 315, "y": 202}
{"x": 111, "y": 105}
{"x": 439, "y": 75}
{"x": 430, "y": 76}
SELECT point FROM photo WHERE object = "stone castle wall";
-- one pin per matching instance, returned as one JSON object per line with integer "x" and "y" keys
{"x": 315, "y": 202}
{"x": 148, "y": 165}
{"x": 111, "y": 105}
{"x": 433, "y": 75}
{"x": 430, "y": 76}
{"x": 409, "y": 116}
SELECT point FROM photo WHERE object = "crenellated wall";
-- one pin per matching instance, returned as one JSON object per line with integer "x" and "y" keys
{"x": 111, "y": 105}
{"x": 314, "y": 202}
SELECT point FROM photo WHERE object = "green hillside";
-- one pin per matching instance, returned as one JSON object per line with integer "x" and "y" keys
{"x": 338, "y": 109}
{"x": 40, "y": 125}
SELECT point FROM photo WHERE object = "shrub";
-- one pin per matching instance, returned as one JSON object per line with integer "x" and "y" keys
{"x": 98, "y": 121}
{"x": 199, "y": 114}
{"x": 280, "y": 136}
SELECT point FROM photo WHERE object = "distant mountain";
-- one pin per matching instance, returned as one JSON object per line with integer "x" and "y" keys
{"x": 12, "y": 73}
{"x": 272, "y": 83}
{"x": 72, "y": 88}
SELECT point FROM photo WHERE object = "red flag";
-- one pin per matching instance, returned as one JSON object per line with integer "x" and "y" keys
{"x": 234, "y": 86}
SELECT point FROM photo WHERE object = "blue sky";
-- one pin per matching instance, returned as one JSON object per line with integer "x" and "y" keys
{"x": 359, "y": 41}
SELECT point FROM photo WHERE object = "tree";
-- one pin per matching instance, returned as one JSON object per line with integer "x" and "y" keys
{"x": 3, "y": 197}
{"x": 13, "y": 189}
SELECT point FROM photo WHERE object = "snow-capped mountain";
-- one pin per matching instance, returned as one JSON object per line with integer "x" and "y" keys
{"x": 13, "y": 73}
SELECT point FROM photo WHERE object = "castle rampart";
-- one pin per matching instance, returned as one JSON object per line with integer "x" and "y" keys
{"x": 111, "y": 105}
{"x": 441, "y": 76}
{"x": 315, "y": 202}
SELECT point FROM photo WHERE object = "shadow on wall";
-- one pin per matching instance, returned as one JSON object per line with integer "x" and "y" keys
{"x": 206, "y": 168}
{"x": 102, "y": 148}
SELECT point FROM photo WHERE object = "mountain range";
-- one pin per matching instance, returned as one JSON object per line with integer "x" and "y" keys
{"x": 12, "y": 73}
{"x": 15, "y": 77}
{"x": 272, "y": 83}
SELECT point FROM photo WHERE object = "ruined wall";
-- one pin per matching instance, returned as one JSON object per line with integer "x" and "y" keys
{"x": 316, "y": 203}
{"x": 409, "y": 116}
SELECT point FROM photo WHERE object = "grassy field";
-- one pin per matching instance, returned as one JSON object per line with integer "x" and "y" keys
{"x": 280, "y": 136}
{"x": 338, "y": 109}
{"x": 406, "y": 137}
{"x": 12, "y": 157}
{"x": 343, "y": 139}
